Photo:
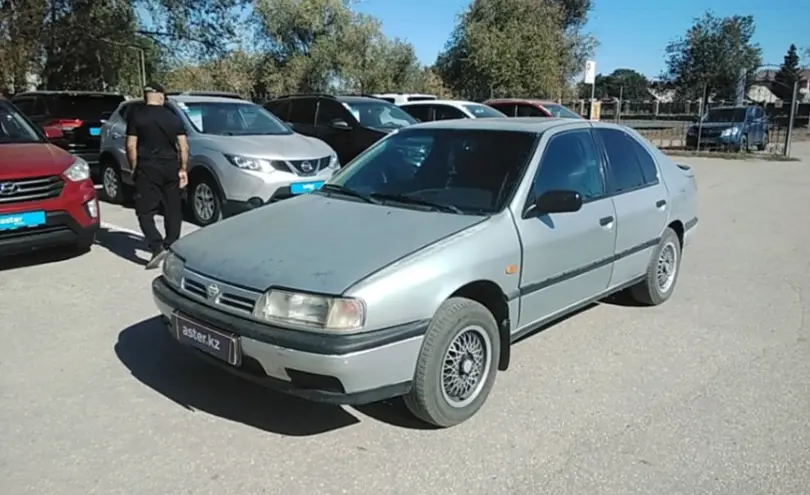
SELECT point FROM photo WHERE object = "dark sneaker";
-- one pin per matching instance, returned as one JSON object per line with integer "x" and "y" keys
{"x": 156, "y": 259}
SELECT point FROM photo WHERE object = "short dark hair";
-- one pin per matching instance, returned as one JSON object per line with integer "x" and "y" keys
{"x": 153, "y": 87}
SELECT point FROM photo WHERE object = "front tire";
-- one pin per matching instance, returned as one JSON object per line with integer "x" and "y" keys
{"x": 113, "y": 189}
{"x": 204, "y": 201}
{"x": 765, "y": 141}
{"x": 457, "y": 364}
{"x": 662, "y": 272}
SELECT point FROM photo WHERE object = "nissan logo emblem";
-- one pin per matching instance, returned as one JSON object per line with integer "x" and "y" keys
{"x": 306, "y": 167}
{"x": 212, "y": 291}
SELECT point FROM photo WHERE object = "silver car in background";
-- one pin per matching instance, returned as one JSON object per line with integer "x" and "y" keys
{"x": 240, "y": 156}
{"x": 414, "y": 269}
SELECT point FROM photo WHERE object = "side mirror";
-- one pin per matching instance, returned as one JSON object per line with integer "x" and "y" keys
{"x": 340, "y": 124}
{"x": 555, "y": 202}
{"x": 53, "y": 133}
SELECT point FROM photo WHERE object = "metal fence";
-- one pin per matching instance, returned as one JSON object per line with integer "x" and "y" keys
{"x": 676, "y": 125}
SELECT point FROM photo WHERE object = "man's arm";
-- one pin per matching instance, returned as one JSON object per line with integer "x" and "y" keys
{"x": 182, "y": 149}
{"x": 132, "y": 143}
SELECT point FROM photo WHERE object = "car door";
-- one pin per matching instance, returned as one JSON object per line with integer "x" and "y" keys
{"x": 567, "y": 257}
{"x": 302, "y": 115}
{"x": 640, "y": 199}
{"x": 447, "y": 112}
{"x": 756, "y": 133}
{"x": 340, "y": 139}
{"x": 114, "y": 136}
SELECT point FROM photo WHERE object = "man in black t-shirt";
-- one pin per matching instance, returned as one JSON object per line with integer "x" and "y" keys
{"x": 157, "y": 150}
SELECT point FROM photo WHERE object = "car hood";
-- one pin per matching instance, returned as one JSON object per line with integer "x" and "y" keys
{"x": 313, "y": 243}
{"x": 33, "y": 159}
{"x": 282, "y": 147}
{"x": 717, "y": 125}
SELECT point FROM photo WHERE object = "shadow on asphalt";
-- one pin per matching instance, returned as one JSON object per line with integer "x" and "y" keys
{"x": 36, "y": 258}
{"x": 159, "y": 362}
{"x": 122, "y": 244}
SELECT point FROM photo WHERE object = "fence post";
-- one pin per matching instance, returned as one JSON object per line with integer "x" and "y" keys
{"x": 793, "y": 105}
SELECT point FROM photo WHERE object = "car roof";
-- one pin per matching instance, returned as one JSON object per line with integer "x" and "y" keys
{"x": 454, "y": 103}
{"x": 523, "y": 124}
{"x": 206, "y": 99}
{"x": 522, "y": 100}
{"x": 68, "y": 93}
{"x": 359, "y": 99}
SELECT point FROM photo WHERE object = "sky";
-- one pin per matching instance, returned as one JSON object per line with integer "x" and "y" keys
{"x": 632, "y": 33}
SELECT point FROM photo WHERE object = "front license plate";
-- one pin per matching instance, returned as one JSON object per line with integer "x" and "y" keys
{"x": 22, "y": 220}
{"x": 95, "y": 131}
{"x": 305, "y": 187}
{"x": 221, "y": 345}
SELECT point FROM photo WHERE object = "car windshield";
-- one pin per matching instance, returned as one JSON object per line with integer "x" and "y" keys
{"x": 14, "y": 129}
{"x": 561, "y": 111}
{"x": 471, "y": 171}
{"x": 83, "y": 106}
{"x": 725, "y": 115}
{"x": 482, "y": 111}
{"x": 379, "y": 114}
{"x": 232, "y": 119}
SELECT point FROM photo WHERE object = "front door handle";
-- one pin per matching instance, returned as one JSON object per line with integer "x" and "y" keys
{"x": 116, "y": 135}
{"x": 661, "y": 203}
{"x": 605, "y": 221}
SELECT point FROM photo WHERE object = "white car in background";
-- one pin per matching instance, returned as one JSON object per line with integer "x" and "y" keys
{"x": 400, "y": 98}
{"x": 428, "y": 111}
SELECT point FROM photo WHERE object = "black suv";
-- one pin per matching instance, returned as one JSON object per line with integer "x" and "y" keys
{"x": 349, "y": 124}
{"x": 79, "y": 114}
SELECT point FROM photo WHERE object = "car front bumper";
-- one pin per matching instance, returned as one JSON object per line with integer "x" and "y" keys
{"x": 247, "y": 190}
{"x": 338, "y": 369}
{"x": 60, "y": 229}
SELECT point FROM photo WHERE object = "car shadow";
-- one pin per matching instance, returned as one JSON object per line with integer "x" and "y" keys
{"x": 159, "y": 362}
{"x": 123, "y": 244}
{"x": 36, "y": 258}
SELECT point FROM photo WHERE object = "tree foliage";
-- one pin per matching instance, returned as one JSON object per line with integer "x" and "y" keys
{"x": 789, "y": 73}
{"x": 712, "y": 54}
{"x": 514, "y": 47}
{"x": 625, "y": 83}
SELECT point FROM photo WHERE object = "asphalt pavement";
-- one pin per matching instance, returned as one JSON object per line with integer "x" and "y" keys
{"x": 709, "y": 393}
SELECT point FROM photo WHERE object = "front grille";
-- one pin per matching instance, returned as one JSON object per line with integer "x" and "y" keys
{"x": 32, "y": 231}
{"x": 227, "y": 297}
{"x": 33, "y": 189}
{"x": 315, "y": 166}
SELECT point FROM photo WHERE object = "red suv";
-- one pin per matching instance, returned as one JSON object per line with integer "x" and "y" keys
{"x": 47, "y": 198}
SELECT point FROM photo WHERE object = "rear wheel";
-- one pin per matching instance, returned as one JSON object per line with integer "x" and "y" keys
{"x": 457, "y": 364}
{"x": 744, "y": 144}
{"x": 765, "y": 141}
{"x": 113, "y": 189}
{"x": 662, "y": 272}
{"x": 204, "y": 201}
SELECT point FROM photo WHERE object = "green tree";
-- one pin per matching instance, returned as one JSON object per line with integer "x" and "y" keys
{"x": 789, "y": 73}
{"x": 712, "y": 54}
{"x": 20, "y": 42}
{"x": 508, "y": 47}
{"x": 625, "y": 83}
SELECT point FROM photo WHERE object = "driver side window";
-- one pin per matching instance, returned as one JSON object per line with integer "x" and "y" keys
{"x": 329, "y": 111}
{"x": 571, "y": 163}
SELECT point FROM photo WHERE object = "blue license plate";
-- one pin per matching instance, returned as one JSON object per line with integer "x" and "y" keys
{"x": 305, "y": 187}
{"x": 22, "y": 220}
{"x": 95, "y": 131}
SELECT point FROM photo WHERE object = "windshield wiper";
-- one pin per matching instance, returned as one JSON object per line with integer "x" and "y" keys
{"x": 402, "y": 198}
{"x": 348, "y": 192}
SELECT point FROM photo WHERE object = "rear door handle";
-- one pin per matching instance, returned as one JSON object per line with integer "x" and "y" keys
{"x": 605, "y": 221}
{"x": 116, "y": 135}
{"x": 661, "y": 203}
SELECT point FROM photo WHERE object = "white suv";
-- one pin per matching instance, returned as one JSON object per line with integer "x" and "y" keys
{"x": 240, "y": 156}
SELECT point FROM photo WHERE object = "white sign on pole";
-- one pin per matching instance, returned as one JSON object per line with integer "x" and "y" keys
{"x": 590, "y": 72}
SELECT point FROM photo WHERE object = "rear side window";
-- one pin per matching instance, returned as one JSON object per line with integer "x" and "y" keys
{"x": 128, "y": 109}
{"x": 303, "y": 111}
{"x": 631, "y": 166}
{"x": 421, "y": 112}
{"x": 26, "y": 106}
{"x": 420, "y": 98}
{"x": 446, "y": 112}
{"x": 330, "y": 111}
{"x": 84, "y": 106}
{"x": 529, "y": 111}
{"x": 280, "y": 108}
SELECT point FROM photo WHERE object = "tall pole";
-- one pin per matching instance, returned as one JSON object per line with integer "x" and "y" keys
{"x": 143, "y": 67}
{"x": 791, "y": 119}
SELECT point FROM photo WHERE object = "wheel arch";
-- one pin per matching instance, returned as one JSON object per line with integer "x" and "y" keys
{"x": 492, "y": 297}
{"x": 202, "y": 170}
{"x": 678, "y": 227}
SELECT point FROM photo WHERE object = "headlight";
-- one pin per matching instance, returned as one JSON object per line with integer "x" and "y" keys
{"x": 310, "y": 310}
{"x": 730, "y": 132}
{"x": 79, "y": 171}
{"x": 173, "y": 268}
{"x": 247, "y": 163}
{"x": 333, "y": 161}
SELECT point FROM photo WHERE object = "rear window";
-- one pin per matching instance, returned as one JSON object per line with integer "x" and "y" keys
{"x": 421, "y": 98}
{"x": 83, "y": 107}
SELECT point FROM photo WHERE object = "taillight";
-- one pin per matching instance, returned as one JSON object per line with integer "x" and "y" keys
{"x": 65, "y": 124}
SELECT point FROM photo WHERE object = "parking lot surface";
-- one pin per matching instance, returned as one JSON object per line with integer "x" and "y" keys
{"x": 709, "y": 393}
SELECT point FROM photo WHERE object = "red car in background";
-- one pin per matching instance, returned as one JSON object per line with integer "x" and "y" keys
{"x": 47, "y": 198}
{"x": 517, "y": 107}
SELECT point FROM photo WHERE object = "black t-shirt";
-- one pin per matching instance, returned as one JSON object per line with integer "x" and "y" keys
{"x": 156, "y": 128}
